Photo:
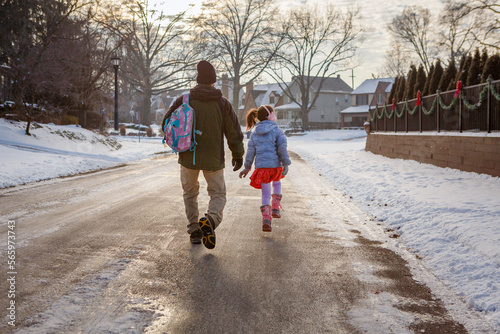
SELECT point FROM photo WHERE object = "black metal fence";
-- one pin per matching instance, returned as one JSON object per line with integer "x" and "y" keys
{"x": 473, "y": 108}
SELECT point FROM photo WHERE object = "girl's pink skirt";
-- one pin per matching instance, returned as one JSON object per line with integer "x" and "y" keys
{"x": 265, "y": 175}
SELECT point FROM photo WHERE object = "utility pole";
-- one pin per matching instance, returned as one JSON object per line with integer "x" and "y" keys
{"x": 116, "y": 63}
{"x": 352, "y": 77}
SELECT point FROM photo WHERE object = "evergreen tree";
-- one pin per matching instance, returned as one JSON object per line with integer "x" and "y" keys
{"x": 420, "y": 82}
{"x": 447, "y": 81}
{"x": 394, "y": 89}
{"x": 492, "y": 67}
{"x": 474, "y": 76}
{"x": 410, "y": 84}
{"x": 463, "y": 71}
{"x": 436, "y": 77}
{"x": 428, "y": 81}
{"x": 401, "y": 90}
{"x": 484, "y": 59}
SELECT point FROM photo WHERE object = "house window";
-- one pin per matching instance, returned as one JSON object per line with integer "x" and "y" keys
{"x": 346, "y": 97}
{"x": 362, "y": 100}
{"x": 322, "y": 114}
{"x": 337, "y": 101}
{"x": 379, "y": 99}
{"x": 271, "y": 99}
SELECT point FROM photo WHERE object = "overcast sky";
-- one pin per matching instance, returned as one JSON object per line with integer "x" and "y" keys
{"x": 376, "y": 15}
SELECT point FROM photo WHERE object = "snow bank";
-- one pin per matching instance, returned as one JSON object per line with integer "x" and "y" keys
{"x": 448, "y": 217}
{"x": 54, "y": 151}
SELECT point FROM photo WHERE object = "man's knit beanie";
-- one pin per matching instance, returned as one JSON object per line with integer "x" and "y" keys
{"x": 206, "y": 73}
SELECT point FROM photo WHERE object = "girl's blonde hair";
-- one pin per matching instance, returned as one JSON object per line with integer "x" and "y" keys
{"x": 260, "y": 114}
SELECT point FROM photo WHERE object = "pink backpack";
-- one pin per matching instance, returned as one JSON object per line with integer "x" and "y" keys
{"x": 180, "y": 128}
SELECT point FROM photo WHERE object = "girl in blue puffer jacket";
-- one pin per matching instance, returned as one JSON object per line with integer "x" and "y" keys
{"x": 267, "y": 146}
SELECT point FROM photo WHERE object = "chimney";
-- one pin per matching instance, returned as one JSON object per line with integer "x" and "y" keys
{"x": 225, "y": 86}
{"x": 249, "y": 87}
{"x": 248, "y": 93}
{"x": 338, "y": 76}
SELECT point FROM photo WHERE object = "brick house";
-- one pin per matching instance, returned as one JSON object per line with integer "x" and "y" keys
{"x": 371, "y": 92}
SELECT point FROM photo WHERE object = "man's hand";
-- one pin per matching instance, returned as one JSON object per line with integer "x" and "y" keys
{"x": 244, "y": 172}
{"x": 285, "y": 170}
{"x": 237, "y": 163}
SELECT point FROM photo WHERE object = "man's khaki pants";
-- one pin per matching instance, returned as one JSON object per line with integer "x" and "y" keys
{"x": 216, "y": 188}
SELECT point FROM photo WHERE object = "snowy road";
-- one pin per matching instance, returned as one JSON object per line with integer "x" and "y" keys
{"x": 107, "y": 252}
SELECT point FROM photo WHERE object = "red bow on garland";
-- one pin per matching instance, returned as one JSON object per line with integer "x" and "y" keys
{"x": 393, "y": 104}
{"x": 459, "y": 89}
{"x": 419, "y": 98}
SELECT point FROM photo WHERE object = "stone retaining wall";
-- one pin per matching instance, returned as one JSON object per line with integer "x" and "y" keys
{"x": 480, "y": 154}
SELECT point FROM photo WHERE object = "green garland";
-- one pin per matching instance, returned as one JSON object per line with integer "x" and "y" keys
{"x": 400, "y": 115}
{"x": 493, "y": 90}
{"x": 389, "y": 116}
{"x": 433, "y": 107}
{"x": 372, "y": 118}
{"x": 381, "y": 115}
{"x": 444, "y": 106}
{"x": 471, "y": 106}
{"x": 377, "y": 114}
{"x": 411, "y": 112}
{"x": 474, "y": 106}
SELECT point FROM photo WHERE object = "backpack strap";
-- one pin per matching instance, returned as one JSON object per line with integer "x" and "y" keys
{"x": 185, "y": 99}
{"x": 194, "y": 143}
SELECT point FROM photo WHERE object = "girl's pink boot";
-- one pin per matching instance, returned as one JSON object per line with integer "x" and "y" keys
{"x": 276, "y": 203}
{"x": 266, "y": 218}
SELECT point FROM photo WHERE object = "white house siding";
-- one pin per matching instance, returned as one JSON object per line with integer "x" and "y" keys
{"x": 327, "y": 109}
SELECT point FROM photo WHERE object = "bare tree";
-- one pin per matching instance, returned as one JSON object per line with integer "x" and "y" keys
{"x": 459, "y": 27}
{"x": 489, "y": 11}
{"x": 319, "y": 44}
{"x": 397, "y": 60}
{"x": 241, "y": 37}
{"x": 413, "y": 28}
{"x": 156, "y": 53}
{"x": 87, "y": 57}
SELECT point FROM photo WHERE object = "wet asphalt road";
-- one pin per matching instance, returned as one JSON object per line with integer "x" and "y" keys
{"x": 108, "y": 252}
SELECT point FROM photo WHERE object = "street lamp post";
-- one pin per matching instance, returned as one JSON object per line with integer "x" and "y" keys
{"x": 116, "y": 63}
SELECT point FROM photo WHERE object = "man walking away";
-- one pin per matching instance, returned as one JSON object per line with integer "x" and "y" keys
{"x": 215, "y": 119}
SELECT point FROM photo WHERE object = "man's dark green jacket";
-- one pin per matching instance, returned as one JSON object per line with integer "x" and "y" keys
{"x": 215, "y": 118}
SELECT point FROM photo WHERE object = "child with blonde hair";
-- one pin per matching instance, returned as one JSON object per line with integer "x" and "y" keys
{"x": 268, "y": 146}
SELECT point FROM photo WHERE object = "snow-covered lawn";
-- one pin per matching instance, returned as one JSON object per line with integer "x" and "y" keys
{"x": 449, "y": 218}
{"x": 54, "y": 151}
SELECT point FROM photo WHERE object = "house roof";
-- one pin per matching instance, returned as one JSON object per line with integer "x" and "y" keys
{"x": 356, "y": 110}
{"x": 171, "y": 96}
{"x": 266, "y": 87}
{"x": 289, "y": 106}
{"x": 335, "y": 84}
{"x": 369, "y": 86}
{"x": 261, "y": 93}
